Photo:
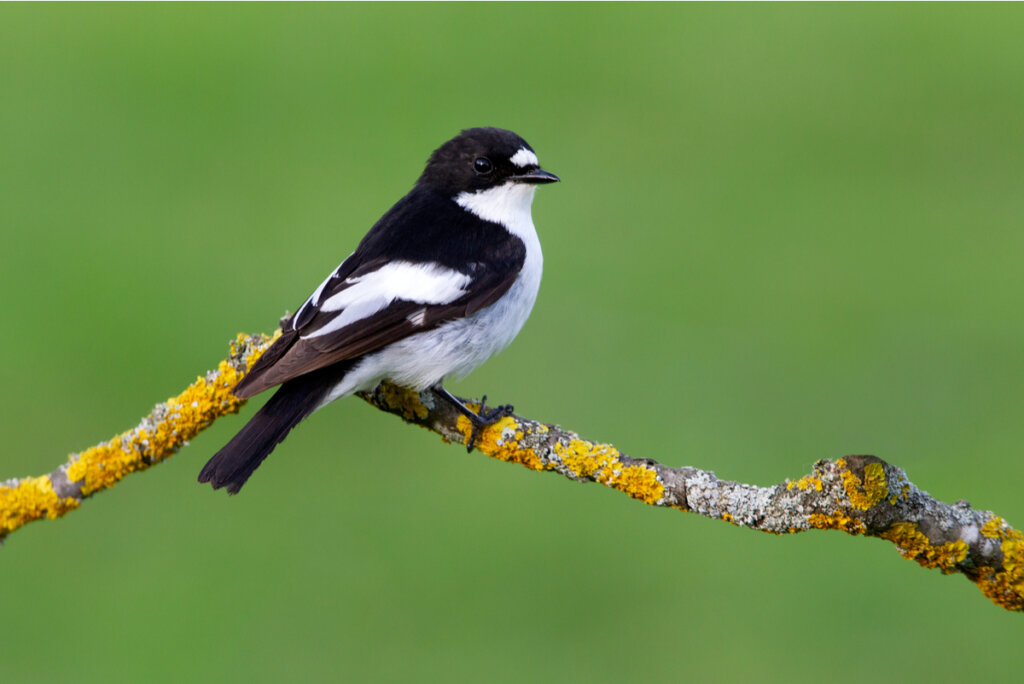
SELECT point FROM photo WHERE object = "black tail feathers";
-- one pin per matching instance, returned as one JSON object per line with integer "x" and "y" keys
{"x": 238, "y": 459}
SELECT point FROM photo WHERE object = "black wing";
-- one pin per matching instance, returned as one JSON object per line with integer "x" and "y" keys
{"x": 427, "y": 261}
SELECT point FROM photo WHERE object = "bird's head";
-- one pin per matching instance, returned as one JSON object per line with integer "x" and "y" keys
{"x": 479, "y": 159}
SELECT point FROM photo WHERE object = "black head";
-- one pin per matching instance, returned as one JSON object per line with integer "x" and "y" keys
{"x": 481, "y": 158}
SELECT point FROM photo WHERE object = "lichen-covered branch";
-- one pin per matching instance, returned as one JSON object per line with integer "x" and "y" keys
{"x": 157, "y": 437}
{"x": 860, "y": 495}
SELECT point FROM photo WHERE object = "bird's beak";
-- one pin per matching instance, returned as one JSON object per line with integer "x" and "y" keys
{"x": 536, "y": 177}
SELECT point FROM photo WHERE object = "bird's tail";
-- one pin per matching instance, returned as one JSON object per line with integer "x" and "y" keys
{"x": 238, "y": 459}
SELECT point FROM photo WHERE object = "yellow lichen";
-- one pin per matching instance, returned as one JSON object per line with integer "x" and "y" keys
{"x": 838, "y": 521}
{"x": 638, "y": 482}
{"x": 804, "y": 483}
{"x": 103, "y": 465}
{"x": 915, "y": 545}
{"x": 1001, "y": 588}
{"x": 585, "y": 459}
{"x": 33, "y": 498}
{"x": 1005, "y": 587}
{"x": 492, "y": 441}
{"x": 864, "y": 496}
{"x": 993, "y": 529}
{"x": 602, "y": 463}
{"x": 403, "y": 399}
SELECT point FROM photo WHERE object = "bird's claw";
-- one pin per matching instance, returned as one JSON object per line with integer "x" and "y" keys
{"x": 484, "y": 419}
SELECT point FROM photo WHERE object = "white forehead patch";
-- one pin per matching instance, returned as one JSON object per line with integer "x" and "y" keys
{"x": 524, "y": 158}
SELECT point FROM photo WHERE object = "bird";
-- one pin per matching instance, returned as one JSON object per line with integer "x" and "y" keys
{"x": 444, "y": 280}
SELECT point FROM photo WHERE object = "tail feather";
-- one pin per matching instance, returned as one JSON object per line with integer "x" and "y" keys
{"x": 232, "y": 466}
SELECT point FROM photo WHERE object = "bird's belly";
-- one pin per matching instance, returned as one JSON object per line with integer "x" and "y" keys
{"x": 455, "y": 349}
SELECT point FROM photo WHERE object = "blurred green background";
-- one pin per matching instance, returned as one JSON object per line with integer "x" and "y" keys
{"x": 784, "y": 233}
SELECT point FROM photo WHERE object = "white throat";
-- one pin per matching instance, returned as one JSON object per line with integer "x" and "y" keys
{"x": 508, "y": 205}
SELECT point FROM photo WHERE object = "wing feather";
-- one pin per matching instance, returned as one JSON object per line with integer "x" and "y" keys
{"x": 374, "y": 303}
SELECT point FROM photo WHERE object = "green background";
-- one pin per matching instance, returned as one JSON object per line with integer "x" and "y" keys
{"x": 785, "y": 233}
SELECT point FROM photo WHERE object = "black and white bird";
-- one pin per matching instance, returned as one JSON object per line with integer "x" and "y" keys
{"x": 443, "y": 281}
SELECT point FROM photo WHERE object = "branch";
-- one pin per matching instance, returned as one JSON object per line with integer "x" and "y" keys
{"x": 860, "y": 495}
{"x": 157, "y": 437}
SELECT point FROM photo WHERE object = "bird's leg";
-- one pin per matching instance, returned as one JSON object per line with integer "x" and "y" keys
{"x": 479, "y": 420}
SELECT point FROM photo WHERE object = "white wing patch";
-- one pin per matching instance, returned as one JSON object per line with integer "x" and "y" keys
{"x": 428, "y": 283}
{"x": 314, "y": 299}
{"x": 367, "y": 294}
{"x": 524, "y": 158}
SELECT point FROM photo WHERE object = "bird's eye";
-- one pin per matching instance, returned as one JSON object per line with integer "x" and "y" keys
{"x": 483, "y": 165}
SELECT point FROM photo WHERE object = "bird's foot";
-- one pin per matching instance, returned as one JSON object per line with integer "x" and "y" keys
{"x": 484, "y": 419}
{"x": 479, "y": 419}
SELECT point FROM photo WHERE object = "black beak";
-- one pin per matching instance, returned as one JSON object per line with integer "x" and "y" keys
{"x": 536, "y": 177}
